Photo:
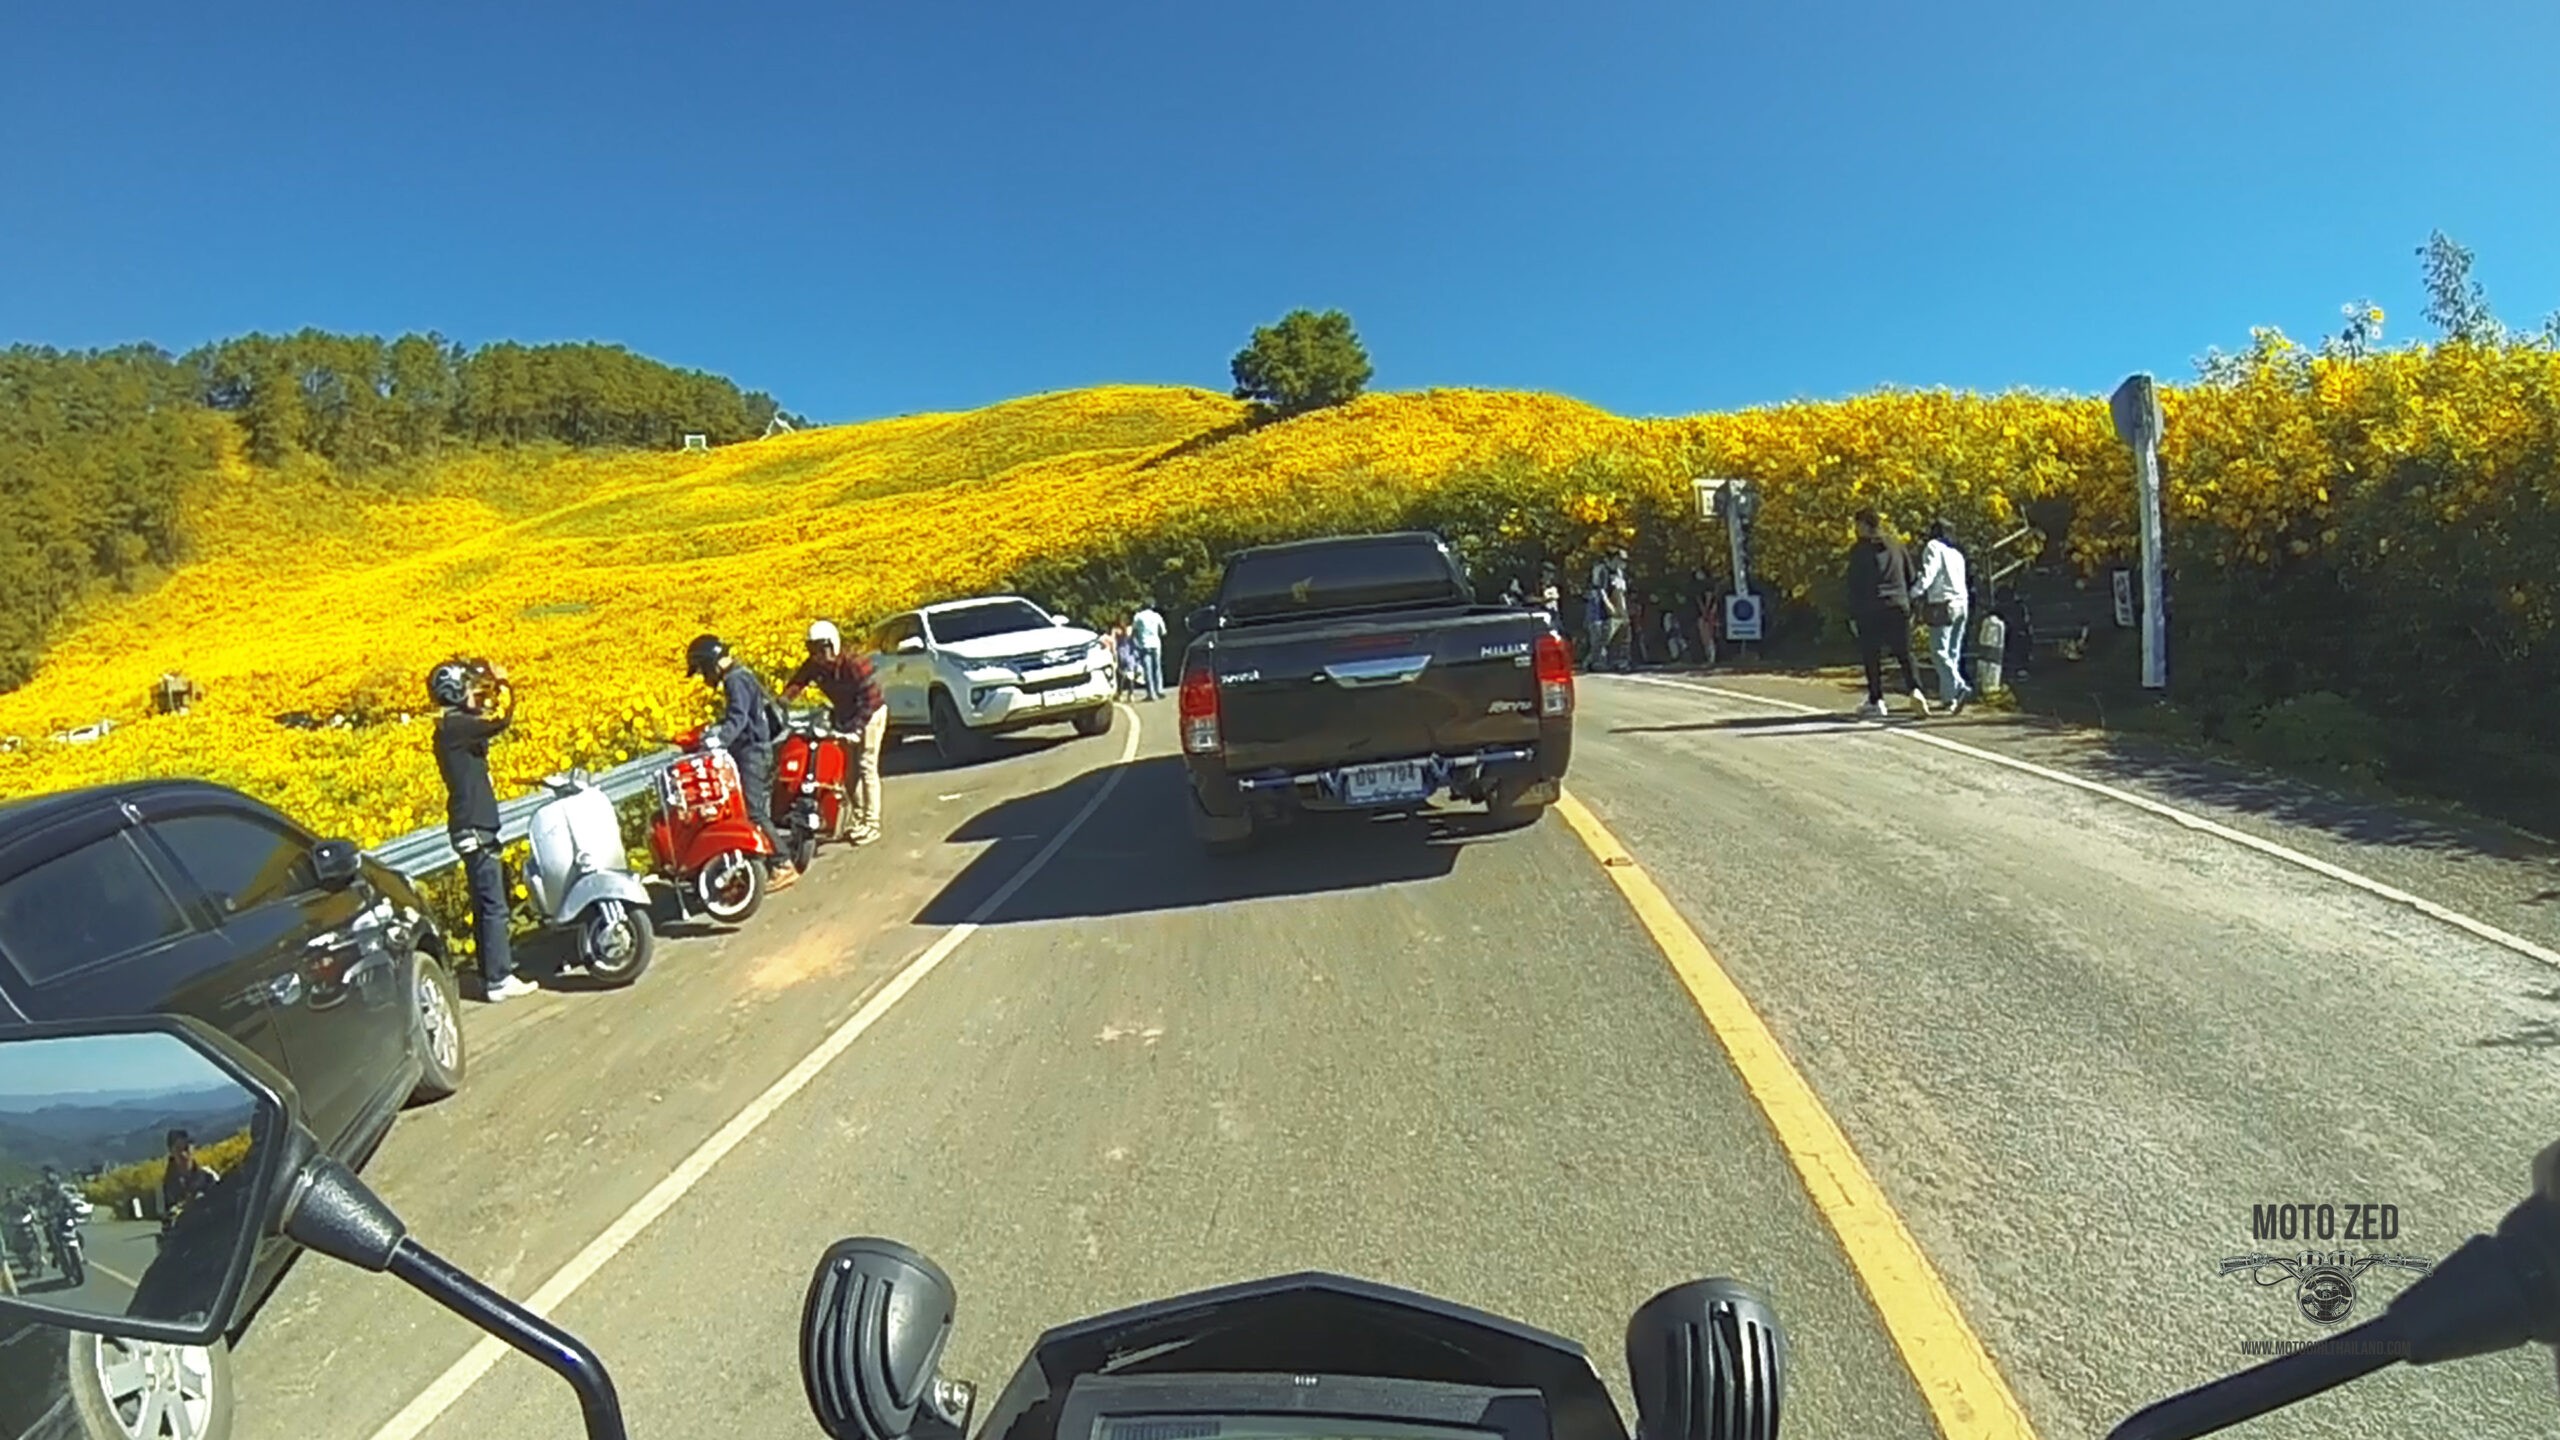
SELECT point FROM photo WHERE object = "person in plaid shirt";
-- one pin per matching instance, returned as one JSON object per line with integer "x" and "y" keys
{"x": 846, "y": 678}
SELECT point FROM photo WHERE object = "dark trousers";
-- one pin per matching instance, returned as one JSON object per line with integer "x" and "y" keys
{"x": 1883, "y": 632}
{"x": 487, "y": 876}
{"x": 755, "y": 776}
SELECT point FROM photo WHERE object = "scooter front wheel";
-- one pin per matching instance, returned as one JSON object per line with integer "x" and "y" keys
{"x": 616, "y": 942}
{"x": 731, "y": 887}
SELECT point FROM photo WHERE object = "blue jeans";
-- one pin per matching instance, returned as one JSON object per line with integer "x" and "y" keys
{"x": 1946, "y": 652}
{"x": 1151, "y": 657}
{"x": 486, "y": 875}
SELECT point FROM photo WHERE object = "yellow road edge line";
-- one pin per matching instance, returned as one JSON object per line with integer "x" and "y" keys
{"x": 1948, "y": 1361}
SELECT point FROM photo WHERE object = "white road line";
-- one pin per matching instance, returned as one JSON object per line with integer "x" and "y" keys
{"x": 2172, "y": 813}
{"x": 449, "y": 1387}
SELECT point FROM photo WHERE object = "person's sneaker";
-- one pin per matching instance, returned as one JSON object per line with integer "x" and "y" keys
{"x": 1962, "y": 699}
{"x": 782, "y": 878}
{"x": 1920, "y": 703}
{"x": 1872, "y": 710}
{"x": 514, "y": 987}
{"x": 867, "y": 837}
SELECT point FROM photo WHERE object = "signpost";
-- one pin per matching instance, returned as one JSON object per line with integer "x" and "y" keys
{"x": 2136, "y": 404}
{"x": 1736, "y": 502}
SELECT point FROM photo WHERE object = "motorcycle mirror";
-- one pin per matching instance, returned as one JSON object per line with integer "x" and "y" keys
{"x": 1708, "y": 1361}
{"x": 871, "y": 1334}
{"x": 115, "y": 1272}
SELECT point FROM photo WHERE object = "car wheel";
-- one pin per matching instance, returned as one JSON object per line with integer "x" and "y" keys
{"x": 951, "y": 735}
{"x": 1505, "y": 810}
{"x": 144, "y": 1390}
{"x": 435, "y": 1029}
{"x": 1096, "y": 721}
{"x": 1222, "y": 836}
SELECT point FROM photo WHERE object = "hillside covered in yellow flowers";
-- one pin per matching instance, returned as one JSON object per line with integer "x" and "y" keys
{"x": 585, "y": 574}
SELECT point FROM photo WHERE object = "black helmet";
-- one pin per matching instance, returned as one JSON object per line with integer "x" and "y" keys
{"x": 449, "y": 683}
{"x": 704, "y": 655}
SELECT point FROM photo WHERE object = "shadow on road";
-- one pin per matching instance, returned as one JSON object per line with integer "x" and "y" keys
{"x": 1738, "y": 722}
{"x": 918, "y": 757}
{"x": 1135, "y": 853}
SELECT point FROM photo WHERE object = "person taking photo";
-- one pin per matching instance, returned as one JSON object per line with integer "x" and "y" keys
{"x": 478, "y": 706}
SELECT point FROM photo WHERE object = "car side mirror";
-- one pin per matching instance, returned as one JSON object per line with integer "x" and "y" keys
{"x": 1060, "y": 620}
{"x": 337, "y": 862}
{"x": 911, "y": 646}
{"x": 1202, "y": 621}
{"x": 179, "y": 1280}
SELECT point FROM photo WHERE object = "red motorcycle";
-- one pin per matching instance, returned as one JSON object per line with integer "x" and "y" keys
{"x": 701, "y": 835}
{"x": 811, "y": 802}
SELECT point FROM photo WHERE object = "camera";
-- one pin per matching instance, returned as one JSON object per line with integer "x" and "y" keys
{"x": 486, "y": 679}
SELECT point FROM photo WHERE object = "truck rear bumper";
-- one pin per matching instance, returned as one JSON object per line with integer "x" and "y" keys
{"x": 1528, "y": 773}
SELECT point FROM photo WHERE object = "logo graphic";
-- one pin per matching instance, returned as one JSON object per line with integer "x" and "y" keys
{"x": 2324, "y": 1283}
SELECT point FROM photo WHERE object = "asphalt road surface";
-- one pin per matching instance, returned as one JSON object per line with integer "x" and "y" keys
{"x": 2074, "y": 1042}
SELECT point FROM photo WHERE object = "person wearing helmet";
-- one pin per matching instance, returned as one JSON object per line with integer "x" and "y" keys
{"x": 852, "y": 689}
{"x": 468, "y": 690}
{"x": 749, "y": 728}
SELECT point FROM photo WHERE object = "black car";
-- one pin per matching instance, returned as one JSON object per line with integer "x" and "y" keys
{"x": 178, "y": 896}
{"x": 1358, "y": 672}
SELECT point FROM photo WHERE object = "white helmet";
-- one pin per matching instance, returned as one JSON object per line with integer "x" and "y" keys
{"x": 824, "y": 633}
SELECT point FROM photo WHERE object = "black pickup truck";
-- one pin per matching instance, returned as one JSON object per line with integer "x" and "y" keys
{"x": 1359, "y": 673}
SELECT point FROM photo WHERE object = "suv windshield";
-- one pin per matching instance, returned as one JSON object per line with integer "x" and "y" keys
{"x": 977, "y": 622}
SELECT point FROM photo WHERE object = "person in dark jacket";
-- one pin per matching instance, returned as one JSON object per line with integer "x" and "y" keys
{"x": 748, "y": 729}
{"x": 470, "y": 691}
{"x": 1880, "y": 605}
{"x": 852, "y": 687}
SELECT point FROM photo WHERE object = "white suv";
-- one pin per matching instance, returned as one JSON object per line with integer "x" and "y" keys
{"x": 969, "y": 669}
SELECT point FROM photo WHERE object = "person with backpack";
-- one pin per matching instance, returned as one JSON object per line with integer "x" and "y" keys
{"x": 749, "y": 727}
{"x": 469, "y": 690}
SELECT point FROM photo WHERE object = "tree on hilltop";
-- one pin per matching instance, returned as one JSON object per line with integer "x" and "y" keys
{"x": 1306, "y": 362}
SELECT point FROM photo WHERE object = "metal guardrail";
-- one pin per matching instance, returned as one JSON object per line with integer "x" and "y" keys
{"x": 424, "y": 852}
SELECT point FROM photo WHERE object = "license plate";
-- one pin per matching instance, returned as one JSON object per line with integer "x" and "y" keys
{"x": 1383, "y": 784}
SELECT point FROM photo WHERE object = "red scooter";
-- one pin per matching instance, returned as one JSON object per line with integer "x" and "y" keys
{"x": 811, "y": 804}
{"x": 701, "y": 835}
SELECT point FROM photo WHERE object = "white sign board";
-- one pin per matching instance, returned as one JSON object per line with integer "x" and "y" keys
{"x": 2124, "y": 598}
{"x": 697, "y": 442}
{"x": 1742, "y": 617}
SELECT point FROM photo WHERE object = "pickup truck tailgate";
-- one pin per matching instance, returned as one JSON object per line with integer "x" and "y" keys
{"x": 1318, "y": 694}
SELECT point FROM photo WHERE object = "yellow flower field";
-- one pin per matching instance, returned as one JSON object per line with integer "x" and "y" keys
{"x": 586, "y": 574}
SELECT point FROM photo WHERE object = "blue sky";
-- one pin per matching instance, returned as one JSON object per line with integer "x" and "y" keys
{"x": 37, "y": 1073}
{"x": 871, "y": 209}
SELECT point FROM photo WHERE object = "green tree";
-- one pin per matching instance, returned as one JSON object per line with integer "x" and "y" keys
{"x": 2456, "y": 305}
{"x": 1306, "y": 362}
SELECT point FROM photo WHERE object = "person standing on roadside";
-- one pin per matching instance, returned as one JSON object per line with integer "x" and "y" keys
{"x": 1609, "y": 584}
{"x": 467, "y": 690}
{"x": 852, "y": 687}
{"x": 748, "y": 730}
{"x": 1148, "y": 628}
{"x": 1879, "y": 591}
{"x": 1943, "y": 605}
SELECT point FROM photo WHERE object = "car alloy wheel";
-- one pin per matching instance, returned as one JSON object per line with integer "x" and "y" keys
{"x": 436, "y": 1023}
{"x": 156, "y": 1391}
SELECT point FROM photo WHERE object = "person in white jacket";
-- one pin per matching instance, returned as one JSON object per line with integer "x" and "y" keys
{"x": 1941, "y": 591}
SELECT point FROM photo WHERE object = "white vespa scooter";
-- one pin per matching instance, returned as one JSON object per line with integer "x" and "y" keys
{"x": 579, "y": 877}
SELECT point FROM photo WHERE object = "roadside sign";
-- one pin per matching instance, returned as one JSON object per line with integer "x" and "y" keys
{"x": 2124, "y": 597}
{"x": 1741, "y": 617}
{"x": 2136, "y": 404}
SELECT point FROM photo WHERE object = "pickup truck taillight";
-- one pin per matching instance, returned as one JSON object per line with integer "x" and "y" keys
{"x": 1555, "y": 675}
{"x": 1199, "y": 708}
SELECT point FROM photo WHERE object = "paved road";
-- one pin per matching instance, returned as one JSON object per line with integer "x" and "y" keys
{"x": 2074, "y": 1042}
